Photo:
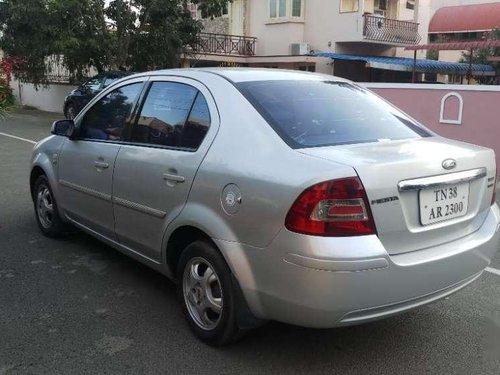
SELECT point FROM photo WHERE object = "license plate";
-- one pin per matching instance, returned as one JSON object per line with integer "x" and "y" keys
{"x": 443, "y": 203}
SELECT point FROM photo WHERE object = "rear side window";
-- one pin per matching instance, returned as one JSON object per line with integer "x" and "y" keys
{"x": 326, "y": 113}
{"x": 197, "y": 124}
{"x": 174, "y": 115}
{"x": 107, "y": 118}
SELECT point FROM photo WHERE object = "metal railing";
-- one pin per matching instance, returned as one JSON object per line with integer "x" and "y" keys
{"x": 223, "y": 44}
{"x": 390, "y": 31}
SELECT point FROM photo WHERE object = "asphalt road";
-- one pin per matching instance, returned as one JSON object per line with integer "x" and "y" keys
{"x": 76, "y": 306}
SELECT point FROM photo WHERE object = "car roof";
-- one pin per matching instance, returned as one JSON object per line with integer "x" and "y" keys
{"x": 114, "y": 73}
{"x": 237, "y": 75}
{"x": 118, "y": 73}
{"x": 268, "y": 74}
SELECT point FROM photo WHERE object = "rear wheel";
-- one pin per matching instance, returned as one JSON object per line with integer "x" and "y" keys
{"x": 46, "y": 213}
{"x": 208, "y": 297}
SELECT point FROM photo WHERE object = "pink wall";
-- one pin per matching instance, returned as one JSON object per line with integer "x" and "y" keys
{"x": 481, "y": 110}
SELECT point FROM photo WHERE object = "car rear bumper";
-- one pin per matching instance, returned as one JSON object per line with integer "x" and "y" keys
{"x": 327, "y": 282}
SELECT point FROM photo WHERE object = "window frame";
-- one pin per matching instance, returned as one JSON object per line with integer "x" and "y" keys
{"x": 382, "y": 5}
{"x": 348, "y": 11}
{"x": 288, "y": 17}
{"x": 147, "y": 81}
{"x": 79, "y": 118}
{"x": 180, "y": 80}
{"x": 381, "y": 8}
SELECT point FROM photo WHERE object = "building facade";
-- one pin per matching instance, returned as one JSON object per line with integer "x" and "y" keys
{"x": 319, "y": 35}
{"x": 284, "y": 33}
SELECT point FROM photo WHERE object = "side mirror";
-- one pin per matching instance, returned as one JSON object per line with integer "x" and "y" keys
{"x": 65, "y": 128}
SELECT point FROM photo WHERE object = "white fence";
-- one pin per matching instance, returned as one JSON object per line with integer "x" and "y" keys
{"x": 50, "y": 98}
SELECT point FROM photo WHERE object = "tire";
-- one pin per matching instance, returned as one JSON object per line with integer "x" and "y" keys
{"x": 208, "y": 297}
{"x": 70, "y": 112}
{"x": 46, "y": 213}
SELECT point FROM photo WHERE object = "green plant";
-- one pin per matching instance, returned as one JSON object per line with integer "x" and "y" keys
{"x": 7, "y": 100}
{"x": 86, "y": 35}
{"x": 482, "y": 56}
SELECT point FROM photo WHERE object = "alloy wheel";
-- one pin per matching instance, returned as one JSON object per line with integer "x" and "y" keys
{"x": 45, "y": 207}
{"x": 202, "y": 293}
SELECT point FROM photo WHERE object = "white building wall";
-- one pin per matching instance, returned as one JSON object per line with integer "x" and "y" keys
{"x": 49, "y": 99}
{"x": 406, "y": 14}
{"x": 322, "y": 27}
{"x": 325, "y": 26}
{"x": 273, "y": 38}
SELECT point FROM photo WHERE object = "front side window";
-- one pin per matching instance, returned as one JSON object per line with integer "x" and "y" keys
{"x": 174, "y": 115}
{"x": 326, "y": 113}
{"x": 107, "y": 118}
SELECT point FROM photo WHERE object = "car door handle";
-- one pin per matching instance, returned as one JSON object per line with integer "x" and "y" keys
{"x": 173, "y": 178}
{"x": 101, "y": 165}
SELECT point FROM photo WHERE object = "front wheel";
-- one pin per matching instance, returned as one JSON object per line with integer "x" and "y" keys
{"x": 207, "y": 294}
{"x": 46, "y": 213}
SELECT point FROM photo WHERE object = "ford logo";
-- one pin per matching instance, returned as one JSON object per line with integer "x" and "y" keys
{"x": 449, "y": 164}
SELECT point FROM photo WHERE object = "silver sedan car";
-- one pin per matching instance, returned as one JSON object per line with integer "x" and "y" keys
{"x": 271, "y": 195}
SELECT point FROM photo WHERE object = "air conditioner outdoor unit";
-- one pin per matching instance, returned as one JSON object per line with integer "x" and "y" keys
{"x": 299, "y": 49}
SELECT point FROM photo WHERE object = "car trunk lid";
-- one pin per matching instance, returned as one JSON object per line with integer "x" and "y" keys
{"x": 417, "y": 203}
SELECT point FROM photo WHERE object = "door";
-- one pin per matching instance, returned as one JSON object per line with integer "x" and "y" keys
{"x": 86, "y": 163}
{"x": 236, "y": 18}
{"x": 155, "y": 170}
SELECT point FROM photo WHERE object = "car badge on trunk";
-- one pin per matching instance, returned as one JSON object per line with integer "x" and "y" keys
{"x": 449, "y": 164}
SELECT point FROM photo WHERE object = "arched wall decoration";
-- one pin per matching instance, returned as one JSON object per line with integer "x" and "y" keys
{"x": 457, "y": 121}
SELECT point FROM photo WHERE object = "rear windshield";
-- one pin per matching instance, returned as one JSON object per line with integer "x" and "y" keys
{"x": 326, "y": 113}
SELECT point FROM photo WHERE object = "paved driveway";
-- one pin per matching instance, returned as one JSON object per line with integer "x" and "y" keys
{"x": 76, "y": 306}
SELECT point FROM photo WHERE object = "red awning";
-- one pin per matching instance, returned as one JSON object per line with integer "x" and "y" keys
{"x": 466, "y": 18}
{"x": 457, "y": 46}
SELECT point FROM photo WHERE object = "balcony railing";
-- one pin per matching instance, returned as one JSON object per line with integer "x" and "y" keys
{"x": 390, "y": 31}
{"x": 222, "y": 44}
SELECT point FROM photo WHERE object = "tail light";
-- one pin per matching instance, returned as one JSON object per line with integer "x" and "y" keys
{"x": 332, "y": 208}
{"x": 494, "y": 196}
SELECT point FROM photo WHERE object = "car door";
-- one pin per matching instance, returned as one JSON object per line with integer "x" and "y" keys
{"x": 86, "y": 163}
{"x": 154, "y": 172}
